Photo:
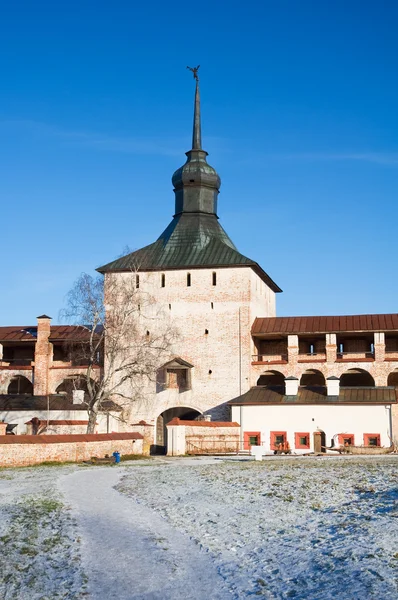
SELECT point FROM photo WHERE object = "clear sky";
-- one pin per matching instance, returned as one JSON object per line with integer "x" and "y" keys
{"x": 299, "y": 116}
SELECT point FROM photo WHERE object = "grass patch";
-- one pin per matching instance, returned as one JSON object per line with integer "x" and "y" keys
{"x": 125, "y": 457}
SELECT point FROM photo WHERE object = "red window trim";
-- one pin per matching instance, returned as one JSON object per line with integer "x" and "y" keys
{"x": 273, "y": 435}
{"x": 346, "y": 435}
{"x": 297, "y": 437}
{"x": 366, "y": 437}
{"x": 247, "y": 435}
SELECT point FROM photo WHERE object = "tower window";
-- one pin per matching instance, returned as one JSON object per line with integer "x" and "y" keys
{"x": 137, "y": 281}
{"x": 169, "y": 306}
{"x": 211, "y": 304}
{"x": 163, "y": 280}
{"x": 206, "y": 332}
{"x": 188, "y": 279}
{"x": 214, "y": 278}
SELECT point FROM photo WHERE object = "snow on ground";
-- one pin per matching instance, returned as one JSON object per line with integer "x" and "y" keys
{"x": 285, "y": 528}
{"x": 39, "y": 542}
{"x": 182, "y": 529}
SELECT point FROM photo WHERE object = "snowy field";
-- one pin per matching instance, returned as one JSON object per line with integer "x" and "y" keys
{"x": 165, "y": 529}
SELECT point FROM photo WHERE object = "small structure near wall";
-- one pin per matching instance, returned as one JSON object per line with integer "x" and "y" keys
{"x": 202, "y": 437}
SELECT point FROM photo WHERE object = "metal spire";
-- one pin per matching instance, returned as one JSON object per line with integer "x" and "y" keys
{"x": 197, "y": 130}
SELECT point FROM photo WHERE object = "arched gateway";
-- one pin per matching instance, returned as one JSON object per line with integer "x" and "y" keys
{"x": 182, "y": 412}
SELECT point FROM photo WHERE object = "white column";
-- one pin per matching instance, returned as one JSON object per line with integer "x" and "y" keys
{"x": 333, "y": 386}
{"x": 291, "y": 386}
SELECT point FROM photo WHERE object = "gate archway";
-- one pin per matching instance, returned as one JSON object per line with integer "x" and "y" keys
{"x": 184, "y": 413}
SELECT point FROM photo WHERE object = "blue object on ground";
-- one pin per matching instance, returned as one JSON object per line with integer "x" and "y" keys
{"x": 117, "y": 457}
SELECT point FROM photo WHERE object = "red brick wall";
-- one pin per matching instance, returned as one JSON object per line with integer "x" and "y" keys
{"x": 28, "y": 450}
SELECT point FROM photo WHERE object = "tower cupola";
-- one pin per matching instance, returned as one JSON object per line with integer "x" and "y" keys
{"x": 196, "y": 183}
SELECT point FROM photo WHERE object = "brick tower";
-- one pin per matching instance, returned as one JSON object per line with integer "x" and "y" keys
{"x": 210, "y": 291}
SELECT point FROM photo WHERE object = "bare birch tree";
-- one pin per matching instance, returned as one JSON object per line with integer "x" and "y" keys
{"x": 128, "y": 339}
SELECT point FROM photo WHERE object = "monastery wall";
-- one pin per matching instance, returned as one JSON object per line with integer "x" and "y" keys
{"x": 22, "y": 451}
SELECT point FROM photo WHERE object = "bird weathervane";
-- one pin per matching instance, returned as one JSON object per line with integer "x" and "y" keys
{"x": 195, "y": 72}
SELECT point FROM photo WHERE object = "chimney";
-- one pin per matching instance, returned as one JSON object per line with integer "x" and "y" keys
{"x": 78, "y": 396}
{"x": 291, "y": 386}
{"x": 42, "y": 356}
{"x": 333, "y": 386}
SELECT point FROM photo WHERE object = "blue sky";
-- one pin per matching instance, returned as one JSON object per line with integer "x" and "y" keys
{"x": 299, "y": 103}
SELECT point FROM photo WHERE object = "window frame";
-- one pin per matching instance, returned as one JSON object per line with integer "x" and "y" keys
{"x": 366, "y": 437}
{"x": 297, "y": 444}
{"x": 246, "y": 439}
{"x": 273, "y": 435}
{"x": 342, "y": 436}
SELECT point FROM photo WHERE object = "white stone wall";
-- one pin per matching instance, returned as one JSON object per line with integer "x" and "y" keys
{"x": 20, "y": 417}
{"x": 222, "y": 357}
{"x": 332, "y": 419}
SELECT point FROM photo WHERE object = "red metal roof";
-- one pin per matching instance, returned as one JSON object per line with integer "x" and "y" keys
{"x": 328, "y": 324}
{"x": 57, "y": 333}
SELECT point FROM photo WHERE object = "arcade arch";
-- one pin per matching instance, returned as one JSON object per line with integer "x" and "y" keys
{"x": 271, "y": 378}
{"x": 312, "y": 377}
{"x": 393, "y": 378}
{"x": 356, "y": 377}
{"x": 20, "y": 385}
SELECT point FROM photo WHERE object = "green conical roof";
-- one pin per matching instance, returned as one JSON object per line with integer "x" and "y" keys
{"x": 194, "y": 238}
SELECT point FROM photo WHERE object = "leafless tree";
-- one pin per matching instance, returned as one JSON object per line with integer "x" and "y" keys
{"x": 128, "y": 339}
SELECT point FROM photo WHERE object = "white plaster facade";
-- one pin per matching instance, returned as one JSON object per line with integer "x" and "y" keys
{"x": 332, "y": 419}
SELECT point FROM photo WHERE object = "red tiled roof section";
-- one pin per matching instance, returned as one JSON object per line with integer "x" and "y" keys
{"x": 61, "y": 439}
{"x": 328, "y": 324}
{"x": 58, "y": 333}
{"x": 177, "y": 421}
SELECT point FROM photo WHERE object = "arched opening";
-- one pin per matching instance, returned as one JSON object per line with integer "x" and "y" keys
{"x": 271, "y": 378}
{"x": 393, "y": 378}
{"x": 312, "y": 377}
{"x": 73, "y": 383}
{"x": 20, "y": 385}
{"x": 182, "y": 412}
{"x": 356, "y": 378}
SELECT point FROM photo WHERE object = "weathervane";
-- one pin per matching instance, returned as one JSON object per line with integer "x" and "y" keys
{"x": 195, "y": 72}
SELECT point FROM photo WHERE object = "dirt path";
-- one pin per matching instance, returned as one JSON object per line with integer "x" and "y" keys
{"x": 131, "y": 553}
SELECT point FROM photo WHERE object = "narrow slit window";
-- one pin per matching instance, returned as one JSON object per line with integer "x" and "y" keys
{"x": 206, "y": 332}
{"x": 169, "y": 306}
{"x": 214, "y": 278}
{"x": 189, "y": 279}
{"x": 137, "y": 281}
{"x": 212, "y": 305}
{"x": 163, "y": 280}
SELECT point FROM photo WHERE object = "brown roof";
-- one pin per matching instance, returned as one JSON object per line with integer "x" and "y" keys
{"x": 69, "y": 438}
{"x": 331, "y": 324}
{"x": 18, "y": 333}
{"x": 177, "y": 421}
{"x": 9, "y": 402}
{"x": 317, "y": 395}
